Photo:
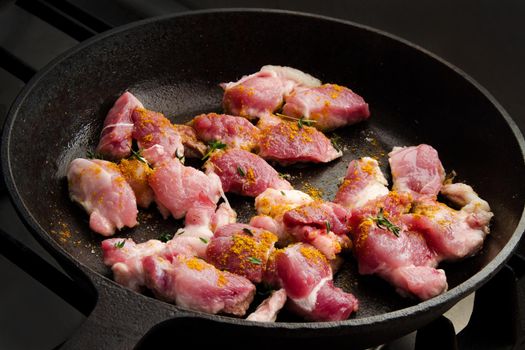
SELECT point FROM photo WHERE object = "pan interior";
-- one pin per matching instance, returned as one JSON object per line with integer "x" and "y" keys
{"x": 174, "y": 66}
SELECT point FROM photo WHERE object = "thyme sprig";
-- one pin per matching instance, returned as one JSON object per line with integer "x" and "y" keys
{"x": 120, "y": 244}
{"x": 240, "y": 171}
{"x": 166, "y": 236}
{"x": 255, "y": 261}
{"x": 384, "y": 223}
{"x": 300, "y": 121}
{"x": 214, "y": 145}
{"x": 138, "y": 156}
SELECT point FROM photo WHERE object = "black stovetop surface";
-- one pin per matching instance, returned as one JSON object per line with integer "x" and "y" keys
{"x": 486, "y": 39}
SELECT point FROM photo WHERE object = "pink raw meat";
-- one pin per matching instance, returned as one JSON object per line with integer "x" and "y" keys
{"x": 177, "y": 187}
{"x": 102, "y": 191}
{"x": 235, "y": 132}
{"x": 453, "y": 234}
{"x": 136, "y": 174}
{"x": 194, "y": 284}
{"x": 115, "y": 139}
{"x": 306, "y": 276}
{"x": 124, "y": 257}
{"x": 405, "y": 261}
{"x": 244, "y": 173}
{"x": 330, "y": 106}
{"x": 289, "y": 142}
{"x": 152, "y": 128}
{"x": 363, "y": 182}
{"x": 267, "y": 311}
{"x": 321, "y": 224}
{"x": 417, "y": 170}
{"x": 241, "y": 249}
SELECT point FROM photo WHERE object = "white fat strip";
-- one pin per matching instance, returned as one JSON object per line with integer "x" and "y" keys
{"x": 370, "y": 192}
{"x": 308, "y": 303}
{"x": 117, "y": 124}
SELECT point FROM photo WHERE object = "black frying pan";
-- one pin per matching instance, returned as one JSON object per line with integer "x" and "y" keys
{"x": 173, "y": 65}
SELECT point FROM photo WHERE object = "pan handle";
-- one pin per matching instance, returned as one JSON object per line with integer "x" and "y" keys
{"x": 117, "y": 317}
{"x": 120, "y": 318}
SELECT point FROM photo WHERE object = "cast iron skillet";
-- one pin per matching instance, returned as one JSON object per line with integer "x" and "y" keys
{"x": 174, "y": 64}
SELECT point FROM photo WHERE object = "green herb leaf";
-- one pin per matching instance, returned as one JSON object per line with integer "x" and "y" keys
{"x": 328, "y": 227}
{"x": 120, "y": 244}
{"x": 166, "y": 236}
{"x": 248, "y": 231}
{"x": 282, "y": 192}
{"x": 384, "y": 223}
{"x": 214, "y": 145}
{"x": 138, "y": 155}
{"x": 203, "y": 240}
{"x": 300, "y": 121}
{"x": 285, "y": 176}
{"x": 254, "y": 260}
{"x": 336, "y": 142}
{"x": 240, "y": 171}
{"x": 180, "y": 232}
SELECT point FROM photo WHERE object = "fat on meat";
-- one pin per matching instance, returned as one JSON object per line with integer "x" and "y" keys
{"x": 404, "y": 258}
{"x": 116, "y": 136}
{"x": 363, "y": 182}
{"x": 244, "y": 173}
{"x": 235, "y": 132}
{"x": 267, "y": 311}
{"x": 271, "y": 205}
{"x": 153, "y": 128}
{"x": 124, "y": 256}
{"x": 177, "y": 187}
{"x": 99, "y": 187}
{"x": 417, "y": 170}
{"x": 289, "y": 142}
{"x": 305, "y": 274}
{"x": 329, "y": 106}
{"x": 136, "y": 173}
{"x": 241, "y": 249}
{"x": 321, "y": 224}
{"x": 262, "y": 93}
{"x": 453, "y": 234}
{"x": 192, "y": 283}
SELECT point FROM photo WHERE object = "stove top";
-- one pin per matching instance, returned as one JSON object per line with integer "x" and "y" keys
{"x": 485, "y": 39}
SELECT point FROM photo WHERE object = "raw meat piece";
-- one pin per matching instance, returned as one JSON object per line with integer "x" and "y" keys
{"x": 177, "y": 187}
{"x": 393, "y": 205}
{"x": 289, "y": 142}
{"x": 235, "y": 132}
{"x": 194, "y": 284}
{"x": 321, "y": 224}
{"x": 124, "y": 257}
{"x": 244, "y": 173}
{"x": 453, "y": 234}
{"x": 152, "y": 128}
{"x": 255, "y": 95}
{"x": 417, "y": 170}
{"x": 193, "y": 148}
{"x": 115, "y": 139}
{"x": 405, "y": 260}
{"x": 305, "y": 275}
{"x": 330, "y": 106}
{"x": 269, "y": 308}
{"x": 261, "y": 93}
{"x": 363, "y": 182}
{"x": 136, "y": 174}
{"x": 241, "y": 249}
{"x": 271, "y": 206}
{"x": 293, "y": 76}
{"x": 102, "y": 191}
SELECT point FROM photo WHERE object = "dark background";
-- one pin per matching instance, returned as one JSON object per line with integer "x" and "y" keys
{"x": 485, "y": 39}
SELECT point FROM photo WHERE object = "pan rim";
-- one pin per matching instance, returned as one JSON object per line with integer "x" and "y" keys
{"x": 448, "y": 298}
